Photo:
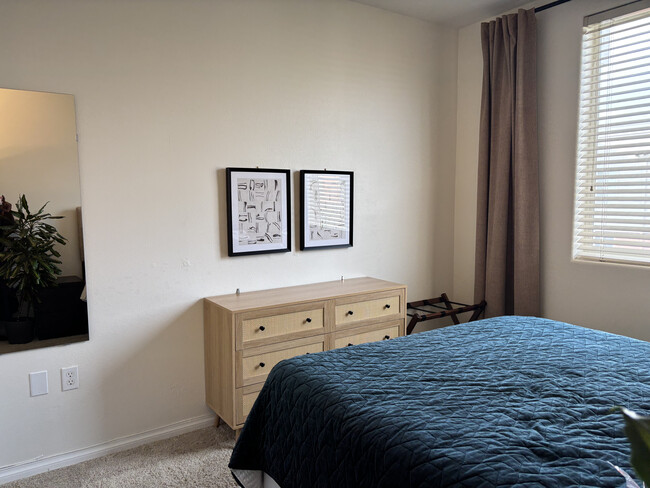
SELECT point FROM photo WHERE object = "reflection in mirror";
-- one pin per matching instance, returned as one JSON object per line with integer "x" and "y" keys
{"x": 39, "y": 159}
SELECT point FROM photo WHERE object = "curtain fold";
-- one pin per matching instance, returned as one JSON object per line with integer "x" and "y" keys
{"x": 507, "y": 226}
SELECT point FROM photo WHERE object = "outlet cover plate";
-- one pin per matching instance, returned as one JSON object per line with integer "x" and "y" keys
{"x": 38, "y": 383}
{"x": 70, "y": 378}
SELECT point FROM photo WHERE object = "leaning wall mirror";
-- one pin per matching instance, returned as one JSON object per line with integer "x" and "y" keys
{"x": 42, "y": 272}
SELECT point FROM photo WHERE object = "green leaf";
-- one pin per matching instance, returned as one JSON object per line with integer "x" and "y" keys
{"x": 637, "y": 429}
{"x": 629, "y": 482}
{"x": 22, "y": 203}
{"x": 40, "y": 210}
{"x": 28, "y": 258}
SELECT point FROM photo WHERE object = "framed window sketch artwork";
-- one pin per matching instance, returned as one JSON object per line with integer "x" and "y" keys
{"x": 326, "y": 201}
{"x": 259, "y": 211}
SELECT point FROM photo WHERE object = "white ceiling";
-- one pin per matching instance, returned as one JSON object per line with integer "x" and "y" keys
{"x": 455, "y": 13}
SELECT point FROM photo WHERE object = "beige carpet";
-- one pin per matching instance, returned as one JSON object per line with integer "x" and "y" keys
{"x": 197, "y": 459}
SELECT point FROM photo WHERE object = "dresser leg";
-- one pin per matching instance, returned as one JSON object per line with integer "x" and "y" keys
{"x": 237, "y": 432}
{"x": 217, "y": 421}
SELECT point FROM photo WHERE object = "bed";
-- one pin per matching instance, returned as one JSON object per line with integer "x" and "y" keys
{"x": 509, "y": 401}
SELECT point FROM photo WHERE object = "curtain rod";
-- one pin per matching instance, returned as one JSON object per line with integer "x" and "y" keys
{"x": 550, "y": 5}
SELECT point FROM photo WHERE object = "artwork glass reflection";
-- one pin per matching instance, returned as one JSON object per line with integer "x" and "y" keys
{"x": 326, "y": 200}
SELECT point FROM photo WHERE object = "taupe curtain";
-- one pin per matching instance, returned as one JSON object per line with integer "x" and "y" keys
{"x": 507, "y": 225}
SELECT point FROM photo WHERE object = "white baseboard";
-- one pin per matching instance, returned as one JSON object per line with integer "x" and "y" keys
{"x": 47, "y": 463}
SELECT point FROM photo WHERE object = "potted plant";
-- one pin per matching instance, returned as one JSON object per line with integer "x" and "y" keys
{"x": 637, "y": 429}
{"x": 28, "y": 263}
{"x": 8, "y": 301}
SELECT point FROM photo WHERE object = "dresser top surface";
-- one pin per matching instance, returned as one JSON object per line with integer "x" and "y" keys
{"x": 302, "y": 293}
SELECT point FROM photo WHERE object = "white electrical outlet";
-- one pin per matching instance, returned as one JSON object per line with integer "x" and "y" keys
{"x": 69, "y": 378}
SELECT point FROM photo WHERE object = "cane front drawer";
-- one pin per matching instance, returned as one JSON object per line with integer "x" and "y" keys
{"x": 255, "y": 330}
{"x": 367, "y": 334}
{"x": 254, "y": 365}
{"x": 348, "y": 312}
{"x": 245, "y": 398}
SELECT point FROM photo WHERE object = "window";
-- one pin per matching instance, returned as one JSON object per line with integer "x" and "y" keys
{"x": 612, "y": 208}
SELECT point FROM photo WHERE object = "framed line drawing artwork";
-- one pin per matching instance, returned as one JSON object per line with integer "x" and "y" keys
{"x": 259, "y": 211}
{"x": 326, "y": 201}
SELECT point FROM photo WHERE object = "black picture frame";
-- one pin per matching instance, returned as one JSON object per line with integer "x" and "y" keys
{"x": 331, "y": 228}
{"x": 259, "y": 211}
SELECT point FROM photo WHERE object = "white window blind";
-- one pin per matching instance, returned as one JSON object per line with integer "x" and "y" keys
{"x": 612, "y": 208}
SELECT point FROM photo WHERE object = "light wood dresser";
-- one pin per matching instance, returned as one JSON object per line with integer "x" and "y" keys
{"x": 247, "y": 334}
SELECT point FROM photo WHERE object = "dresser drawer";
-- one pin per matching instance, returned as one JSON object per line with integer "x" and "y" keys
{"x": 270, "y": 328}
{"x": 368, "y": 309}
{"x": 245, "y": 398}
{"x": 375, "y": 335}
{"x": 254, "y": 365}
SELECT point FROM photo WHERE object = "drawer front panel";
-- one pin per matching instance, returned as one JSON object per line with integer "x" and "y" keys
{"x": 282, "y": 324}
{"x": 256, "y": 368}
{"x": 372, "y": 336}
{"x": 245, "y": 401}
{"x": 368, "y": 309}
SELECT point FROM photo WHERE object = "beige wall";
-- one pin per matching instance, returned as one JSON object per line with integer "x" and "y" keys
{"x": 602, "y": 296}
{"x": 38, "y": 158}
{"x": 168, "y": 94}
{"x": 470, "y": 72}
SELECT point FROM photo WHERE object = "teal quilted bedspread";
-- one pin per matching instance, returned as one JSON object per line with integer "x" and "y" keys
{"x": 503, "y": 402}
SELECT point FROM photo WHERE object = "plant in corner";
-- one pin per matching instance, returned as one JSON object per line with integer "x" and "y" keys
{"x": 8, "y": 301}
{"x": 637, "y": 429}
{"x": 28, "y": 263}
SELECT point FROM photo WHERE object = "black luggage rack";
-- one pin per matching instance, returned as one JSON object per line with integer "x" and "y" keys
{"x": 436, "y": 308}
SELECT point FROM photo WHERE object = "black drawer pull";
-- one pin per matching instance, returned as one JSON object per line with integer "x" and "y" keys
{"x": 350, "y": 344}
{"x": 262, "y": 365}
{"x": 350, "y": 312}
{"x": 307, "y": 320}
{"x": 387, "y": 305}
{"x": 262, "y": 328}
{"x": 386, "y": 337}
